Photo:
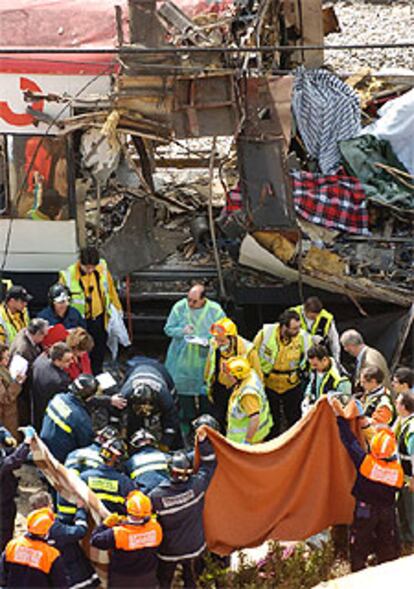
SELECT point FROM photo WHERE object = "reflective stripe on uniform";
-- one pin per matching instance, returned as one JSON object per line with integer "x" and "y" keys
{"x": 66, "y": 509}
{"x": 59, "y": 422}
{"x": 148, "y": 468}
{"x": 112, "y": 498}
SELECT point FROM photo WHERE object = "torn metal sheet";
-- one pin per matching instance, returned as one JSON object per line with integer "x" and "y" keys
{"x": 264, "y": 183}
{"x": 137, "y": 243}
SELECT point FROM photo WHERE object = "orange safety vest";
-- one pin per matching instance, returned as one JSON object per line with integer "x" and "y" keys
{"x": 381, "y": 471}
{"x": 135, "y": 536}
{"x": 32, "y": 553}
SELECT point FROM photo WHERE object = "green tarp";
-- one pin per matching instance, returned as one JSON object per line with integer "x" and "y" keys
{"x": 361, "y": 157}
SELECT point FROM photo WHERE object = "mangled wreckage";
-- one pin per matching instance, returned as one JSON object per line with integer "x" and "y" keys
{"x": 209, "y": 144}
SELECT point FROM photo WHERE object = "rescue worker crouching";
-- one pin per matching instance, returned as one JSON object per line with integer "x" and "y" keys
{"x": 109, "y": 484}
{"x": 249, "y": 420}
{"x": 225, "y": 344}
{"x": 147, "y": 465}
{"x": 282, "y": 349}
{"x": 379, "y": 477}
{"x": 179, "y": 504}
{"x": 325, "y": 377}
{"x": 29, "y": 561}
{"x": 67, "y": 424}
{"x": 152, "y": 409}
{"x": 133, "y": 541}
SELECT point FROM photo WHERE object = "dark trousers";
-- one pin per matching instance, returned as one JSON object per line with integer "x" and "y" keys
{"x": 191, "y": 406}
{"x": 374, "y": 531}
{"x": 96, "y": 328}
{"x": 218, "y": 409}
{"x": 289, "y": 403}
{"x": 7, "y": 515}
{"x": 192, "y": 569}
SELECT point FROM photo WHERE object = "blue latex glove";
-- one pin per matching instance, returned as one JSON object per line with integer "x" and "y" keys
{"x": 28, "y": 432}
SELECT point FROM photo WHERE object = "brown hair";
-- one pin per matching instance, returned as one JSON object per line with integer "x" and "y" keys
{"x": 80, "y": 340}
{"x": 407, "y": 400}
{"x": 313, "y": 305}
{"x": 373, "y": 373}
{"x": 58, "y": 350}
{"x": 40, "y": 499}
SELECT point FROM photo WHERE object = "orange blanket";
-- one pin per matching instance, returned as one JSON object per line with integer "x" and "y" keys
{"x": 286, "y": 489}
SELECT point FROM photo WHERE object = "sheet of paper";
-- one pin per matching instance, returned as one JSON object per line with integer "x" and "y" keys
{"x": 18, "y": 365}
{"x": 198, "y": 341}
{"x": 106, "y": 380}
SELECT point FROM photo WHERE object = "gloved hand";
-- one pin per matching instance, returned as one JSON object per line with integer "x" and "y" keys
{"x": 112, "y": 520}
{"x": 28, "y": 432}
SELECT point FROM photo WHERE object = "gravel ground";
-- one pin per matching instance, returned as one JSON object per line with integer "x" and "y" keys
{"x": 372, "y": 21}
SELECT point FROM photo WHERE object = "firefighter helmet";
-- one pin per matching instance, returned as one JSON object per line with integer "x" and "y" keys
{"x": 142, "y": 437}
{"x": 84, "y": 387}
{"x": 383, "y": 444}
{"x": 180, "y": 466}
{"x": 114, "y": 450}
{"x": 223, "y": 328}
{"x": 206, "y": 419}
{"x": 58, "y": 293}
{"x": 138, "y": 504}
{"x": 40, "y": 521}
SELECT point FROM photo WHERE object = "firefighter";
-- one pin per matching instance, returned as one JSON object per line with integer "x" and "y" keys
{"x": 318, "y": 322}
{"x": 10, "y": 460}
{"x": 179, "y": 504}
{"x": 152, "y": 407}
{"x": 83, "y": 459}
{"x": 225, "y": 344}
{"x": 379, "y": 478}
{"x": 67, "y": 424}
{"x": 30, "y": 561}
{"x": 147, "y": 465}
{"x": 133, "y": 542}
{"x": 93, "y": 292}
{"x": 249, "y": 419}
{"x": 282, "y": 349}
{"x": 109, "y": 484}
{"x": 65, "y": 534}
{"x": 404, "y": 430}
{"x": 325, "y": 376}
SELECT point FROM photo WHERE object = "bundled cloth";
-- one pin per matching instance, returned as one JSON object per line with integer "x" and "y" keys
{"x": 385, "y": 180}
{"x": 287, "y": 489}
{"x": 326, "y": 111}
{"x": 336, "y": 201}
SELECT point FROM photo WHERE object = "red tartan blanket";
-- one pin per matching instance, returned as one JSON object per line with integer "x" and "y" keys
{"x": 336, "y": 202}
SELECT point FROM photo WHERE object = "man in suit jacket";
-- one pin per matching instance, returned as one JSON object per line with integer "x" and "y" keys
{"x": 353, "y": 343}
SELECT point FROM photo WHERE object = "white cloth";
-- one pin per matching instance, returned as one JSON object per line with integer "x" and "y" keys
{"x": 396, "y": 124}
{"x": 117, "y": 332}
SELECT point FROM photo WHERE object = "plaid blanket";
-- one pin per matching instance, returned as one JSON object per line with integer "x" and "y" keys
{"x": 336, "y": 202}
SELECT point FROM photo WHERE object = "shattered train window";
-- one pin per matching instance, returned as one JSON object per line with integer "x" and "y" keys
{"x": 38, "y": 177}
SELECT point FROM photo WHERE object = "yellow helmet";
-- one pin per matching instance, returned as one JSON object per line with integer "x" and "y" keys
{"x": 138, "y": 504}
{"x": 223, "y": 327}
{"x": 238, "y": 367}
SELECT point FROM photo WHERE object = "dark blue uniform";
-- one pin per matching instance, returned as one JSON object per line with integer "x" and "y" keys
{"x": 374, "y": 527}
{"x": 133, "y": 549}
{"x": 67, "y": 425}
{"x": 110, "y": 486}
{"x": 26, "y": 569}
{"x": 8, "y": 490}
{"x": 179, "y": 505}
{"x": 70, "y": 320}
{"x": 79, "y": 461}
{"x": 148, "y": 467}
{"x": 164, "y": 425}
{"x": 65, "y": 537}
